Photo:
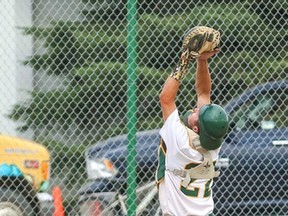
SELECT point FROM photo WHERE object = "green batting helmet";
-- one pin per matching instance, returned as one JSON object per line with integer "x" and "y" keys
{"x": 213, "y": 125}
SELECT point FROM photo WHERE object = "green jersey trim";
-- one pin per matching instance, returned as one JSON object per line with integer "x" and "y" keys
{"x": 160, "y": 172}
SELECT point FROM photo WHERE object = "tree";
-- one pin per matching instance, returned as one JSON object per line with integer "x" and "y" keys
{"x": 92, "y": 55}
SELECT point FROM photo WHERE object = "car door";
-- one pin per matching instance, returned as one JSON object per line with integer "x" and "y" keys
{"x": 253, "y": 160}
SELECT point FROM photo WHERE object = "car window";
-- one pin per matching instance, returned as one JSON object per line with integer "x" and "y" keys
{"x": 265, "y": 111}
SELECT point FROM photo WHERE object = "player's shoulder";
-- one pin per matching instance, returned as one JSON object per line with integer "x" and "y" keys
{"x": 172, "y": 118}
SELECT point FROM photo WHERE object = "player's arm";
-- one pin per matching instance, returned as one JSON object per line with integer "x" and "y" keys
{"x": 203, "y": 79}
{"x": 167, "y": 97}
{"x": 171, "y": 86}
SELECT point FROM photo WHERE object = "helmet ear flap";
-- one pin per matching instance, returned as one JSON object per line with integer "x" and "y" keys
{"x": 185, "y": 117}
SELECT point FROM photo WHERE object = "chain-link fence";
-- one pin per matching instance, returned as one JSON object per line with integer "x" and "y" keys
{"x": 63, "y": 67}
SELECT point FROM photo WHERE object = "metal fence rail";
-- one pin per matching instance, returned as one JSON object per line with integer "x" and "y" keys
{"x": 63, "y": 89}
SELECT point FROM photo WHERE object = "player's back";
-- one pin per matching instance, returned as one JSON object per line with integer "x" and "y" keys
{"x": 175, "y": 199}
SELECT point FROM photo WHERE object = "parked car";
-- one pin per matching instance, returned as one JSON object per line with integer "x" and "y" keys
{"x": 253, "y": 162}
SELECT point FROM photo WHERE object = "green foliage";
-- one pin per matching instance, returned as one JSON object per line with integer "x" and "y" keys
{"x": 243, "y": 70}
{"x": 112, "y": 10}
{"x": 253, "y": 69}
{"x": 95, "y": 97}
{"x": 71, "y": 45}
{"x": 74, "y": 45}
{"x": 93, "y": 54}
{"x": 68, "y": 159}
{"x": 274, "y": 15}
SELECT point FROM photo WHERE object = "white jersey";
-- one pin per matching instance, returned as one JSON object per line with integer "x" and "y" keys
{"x": 176, "y": 153}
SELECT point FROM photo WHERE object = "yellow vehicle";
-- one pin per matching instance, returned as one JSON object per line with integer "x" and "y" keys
{"x": 24, "y": 174}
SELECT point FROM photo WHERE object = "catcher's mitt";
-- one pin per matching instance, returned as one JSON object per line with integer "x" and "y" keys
{"x": 198, "y": 40}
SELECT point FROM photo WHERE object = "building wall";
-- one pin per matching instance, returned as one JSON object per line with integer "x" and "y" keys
{"x": 16, "y": 80}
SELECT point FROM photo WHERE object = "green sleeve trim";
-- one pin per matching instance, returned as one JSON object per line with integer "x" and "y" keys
{"x": 160, "y": 172}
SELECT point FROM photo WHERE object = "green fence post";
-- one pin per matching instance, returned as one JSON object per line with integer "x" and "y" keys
{"x": 131, "y": 107}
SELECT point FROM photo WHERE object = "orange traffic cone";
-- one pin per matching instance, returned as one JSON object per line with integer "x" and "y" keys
{"x": 58, "y": 205}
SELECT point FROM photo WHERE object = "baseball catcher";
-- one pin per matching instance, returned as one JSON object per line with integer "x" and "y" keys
{"x": 190, "y": 145}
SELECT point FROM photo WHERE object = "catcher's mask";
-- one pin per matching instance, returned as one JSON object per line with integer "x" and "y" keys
{"x": 213, "y": 125}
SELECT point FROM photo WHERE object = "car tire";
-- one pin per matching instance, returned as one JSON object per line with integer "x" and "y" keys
{"x": 14, "y": 203}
